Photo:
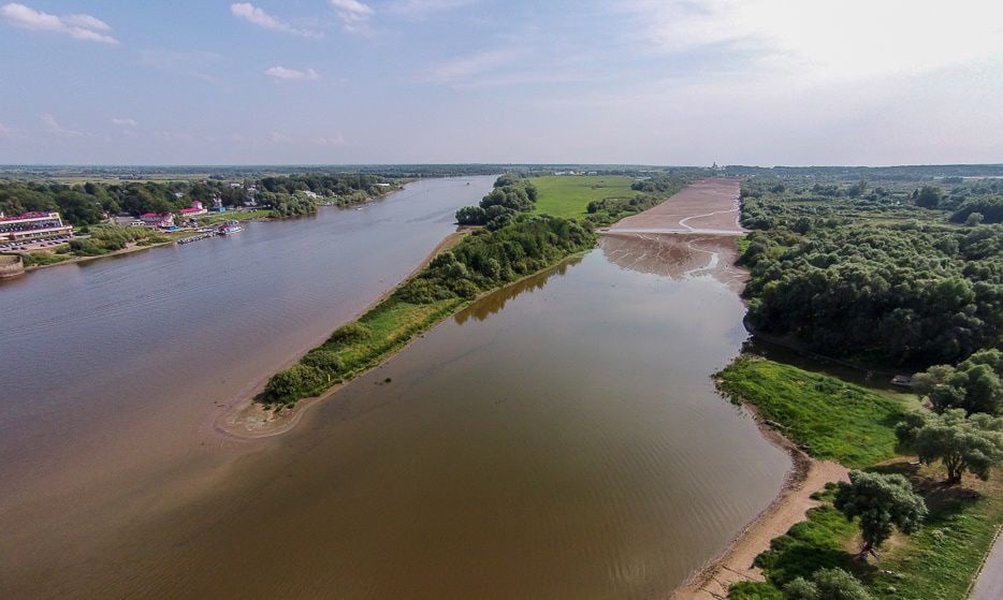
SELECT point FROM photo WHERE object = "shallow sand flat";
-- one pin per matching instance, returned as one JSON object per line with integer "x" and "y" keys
{"x": 707, "y": 206}
{"x": 692, "y": 234}
{"x": 677, "y": 255}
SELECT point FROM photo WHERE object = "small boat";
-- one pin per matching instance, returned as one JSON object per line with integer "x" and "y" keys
{"x": 230, "y": 227}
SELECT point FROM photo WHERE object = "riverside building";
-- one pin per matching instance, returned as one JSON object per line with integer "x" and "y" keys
{"x": 32, "y": 226}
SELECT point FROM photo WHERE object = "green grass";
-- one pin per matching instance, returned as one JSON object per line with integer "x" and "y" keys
{"x": 855, "y": 426}
{"x": 828, "y": 418}
{"x": 938, "y": 562}
{"x": 234, "y": 215}
{"x": 37, "y": 259}
{"x": 392, "y": 323}
{"x": 383, "y": 330}
{"x": 743, "y": 244}
{"x": 568, "y": 195}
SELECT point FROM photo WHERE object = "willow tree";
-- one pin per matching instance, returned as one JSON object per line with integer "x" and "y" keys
{"x": 882, "y": 502}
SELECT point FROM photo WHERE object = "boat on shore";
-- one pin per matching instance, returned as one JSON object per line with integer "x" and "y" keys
{"x": 230, "y": 228}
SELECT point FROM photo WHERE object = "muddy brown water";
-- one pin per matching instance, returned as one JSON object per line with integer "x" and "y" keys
{"x": 560, "y": 439}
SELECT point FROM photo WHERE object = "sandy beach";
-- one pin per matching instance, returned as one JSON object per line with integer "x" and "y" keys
{"x": 734, "y": 564}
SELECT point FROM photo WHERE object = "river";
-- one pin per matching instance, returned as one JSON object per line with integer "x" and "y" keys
{"x": 559, "y": 439}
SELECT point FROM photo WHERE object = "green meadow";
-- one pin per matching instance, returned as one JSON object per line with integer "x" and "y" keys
{"x": 568, "y": 196}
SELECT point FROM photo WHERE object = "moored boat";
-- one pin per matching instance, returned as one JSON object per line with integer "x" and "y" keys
{"x": 230, "y": 227}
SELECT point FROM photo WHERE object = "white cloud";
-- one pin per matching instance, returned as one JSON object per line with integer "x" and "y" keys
{"x": 336, "y": 140}
{"x": 280, "y": 138}
{"x": 417, "y": 8}
{"x": 258, "y": 16}
{"x": 461, "y": 69}
{"x": 124, "y": 122}
{"x": 279, "y": 72}
{"x": 353, "y": 13}
{"x": 5, "y": 131}
{"x": 52, "y": 126}
{"x": 87, "y": 22}
{"x": 827, "y": 40}
{"x": 79, "y": 27}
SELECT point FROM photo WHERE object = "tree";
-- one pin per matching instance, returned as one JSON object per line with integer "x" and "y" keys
{"x": 826, "y": 584}
{"x": 973, "y": 444}
{"x": 882, "y": 502}
{"x": 471, "y": 215}
{"x": 857, "y": 190}
{"x": 929, "y": 196}
{"x": 78, "y": 208}
{"x": 975, "y": 384}
{"x": 298, "y": 381}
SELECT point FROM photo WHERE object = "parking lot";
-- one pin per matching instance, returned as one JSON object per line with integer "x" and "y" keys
{"x": 28, "y": 246}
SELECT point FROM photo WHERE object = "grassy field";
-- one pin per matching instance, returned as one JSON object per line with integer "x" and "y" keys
{"x": 828, "y": 418}
{"x": 855, "y": 426}
{"x": 391, "y": 325}
{"x": 568, "y": 195}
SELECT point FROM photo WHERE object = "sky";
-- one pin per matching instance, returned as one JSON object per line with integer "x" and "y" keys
{"x": 657, "y": 82}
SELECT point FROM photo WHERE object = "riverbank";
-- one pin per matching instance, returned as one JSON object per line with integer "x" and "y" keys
{"x": 134, "y": 247}
{"x": 697, "y": 235}
{"x": 707, "y": 215}
{"x": 734, "y": 564}
{"x": 53, "y": 259}
{"x": 451, "y": 280}
{"x": 252, "y": 419}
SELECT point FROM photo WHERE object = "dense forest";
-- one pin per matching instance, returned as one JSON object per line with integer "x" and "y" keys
{"x": 91, "y": 202}
{"x": 882, "y": 274}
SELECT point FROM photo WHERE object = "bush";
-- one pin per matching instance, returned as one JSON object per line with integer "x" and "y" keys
{"x": 324, "y": 360}
{"x": 349, "y": 334}
{"x": 86, "y": 247}
{"x": 298, "y": 381}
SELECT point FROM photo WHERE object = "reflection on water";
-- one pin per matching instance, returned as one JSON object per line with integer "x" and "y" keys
{"x": 114, "y": 370}
{"x": 492, "y": 303}
{"x": 561, "y": 439}
{"x": 676, "y": 256}
{"x": 569, "y": 445}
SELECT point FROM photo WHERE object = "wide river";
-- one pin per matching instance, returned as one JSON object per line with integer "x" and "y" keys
{"x": 559, "y": 439}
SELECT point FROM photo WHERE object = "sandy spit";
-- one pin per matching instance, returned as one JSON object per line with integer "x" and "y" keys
{"x": 247, "y": 419}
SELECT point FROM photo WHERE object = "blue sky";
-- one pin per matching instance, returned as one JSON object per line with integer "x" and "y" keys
{"x": 691, "y": 82}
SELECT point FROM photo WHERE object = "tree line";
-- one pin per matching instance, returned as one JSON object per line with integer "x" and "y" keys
{"x": 875, "y": 280}
{"x": 90, "y": 203}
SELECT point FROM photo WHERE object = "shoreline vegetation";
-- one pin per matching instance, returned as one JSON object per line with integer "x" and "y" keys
{"x": 87, "y": 205}
{"x": 850, "y": 427}
{"x": 811, "y": 234}
{"x": 515, "y": 242}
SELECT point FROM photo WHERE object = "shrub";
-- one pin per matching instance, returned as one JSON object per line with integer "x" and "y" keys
{"x": 349, "y": 334}
{"x": 324, "y": 360}
{"x": 298, "y": 381}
